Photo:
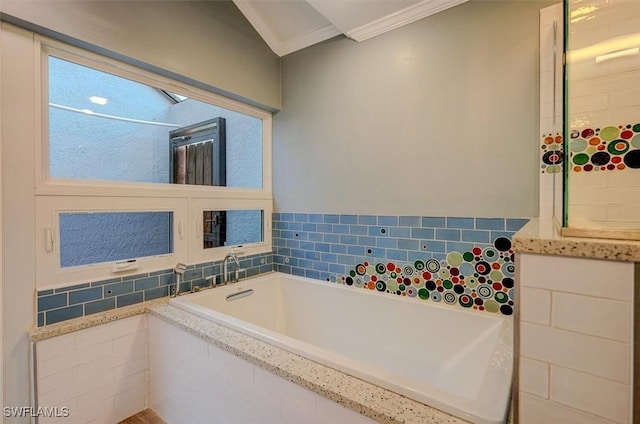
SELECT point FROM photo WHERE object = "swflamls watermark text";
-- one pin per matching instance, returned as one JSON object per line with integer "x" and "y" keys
{"x": 41, "y": 411}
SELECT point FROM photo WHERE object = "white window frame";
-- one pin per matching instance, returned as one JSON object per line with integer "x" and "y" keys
{"x": 56, "y": 195}
{"x": 49, "y": 209}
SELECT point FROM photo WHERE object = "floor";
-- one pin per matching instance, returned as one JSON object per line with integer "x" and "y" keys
{"x": 144, "y": 417}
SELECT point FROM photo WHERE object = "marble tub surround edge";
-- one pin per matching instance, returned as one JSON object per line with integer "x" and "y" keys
{"x": 37, "y": 334}
{"x": 367, "y": 399}
{"x": 542, "y": 238}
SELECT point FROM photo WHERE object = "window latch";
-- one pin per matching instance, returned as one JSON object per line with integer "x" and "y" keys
{"x": 180, "y": 230}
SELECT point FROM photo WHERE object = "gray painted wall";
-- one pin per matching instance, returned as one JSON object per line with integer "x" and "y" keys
{"x": 439, "y": 118}
{"x": 207, "y": 41}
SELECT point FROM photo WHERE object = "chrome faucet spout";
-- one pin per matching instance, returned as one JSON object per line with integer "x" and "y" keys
{"x": 179, "y": 272}
{"x": 231, "y": 256}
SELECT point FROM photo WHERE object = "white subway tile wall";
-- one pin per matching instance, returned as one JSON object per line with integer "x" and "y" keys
{"x": 592, "y": 355}
{"x": 609, "y": 319}
{"x": 575, "y": 340}
{"x": 535, "y": 410}
{"x": 535, "y": 305}
{"x": 534, "y": 377}
{"x": 590, "y": 277}
{"x": 196, "y": 382}
{"x": 100, "y": 374}
{"x": 589, "y": 393}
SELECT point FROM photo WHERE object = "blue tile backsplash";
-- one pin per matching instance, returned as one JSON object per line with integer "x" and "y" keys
{"x": 60, "y": 304}
{"x": 304, "y": 243}
{"x": 344, "y": 248}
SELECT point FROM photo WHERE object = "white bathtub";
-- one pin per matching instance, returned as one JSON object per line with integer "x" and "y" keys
{"x": 457, "y": 361}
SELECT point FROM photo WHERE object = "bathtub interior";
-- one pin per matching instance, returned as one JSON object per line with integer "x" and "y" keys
{"x": 419, "y": 348}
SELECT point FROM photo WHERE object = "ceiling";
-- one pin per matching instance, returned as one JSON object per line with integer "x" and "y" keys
{"x": 290, "y": 25}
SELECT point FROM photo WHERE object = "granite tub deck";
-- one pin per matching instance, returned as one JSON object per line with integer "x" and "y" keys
{"x": 367, "y": 399}
{"x": 542, "y": 238}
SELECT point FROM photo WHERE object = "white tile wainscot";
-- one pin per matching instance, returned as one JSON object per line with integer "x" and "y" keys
{"x": 100, "y": 373}
{"x": 576, "y": 340}
{"x": 193, "y": 382}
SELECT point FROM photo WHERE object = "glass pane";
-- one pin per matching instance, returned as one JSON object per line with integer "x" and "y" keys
{"x": 89, "y": 238}
{"x": 232, "y": 228}
{"x": 603, "y": 118}
{"x": 105, "y": 127}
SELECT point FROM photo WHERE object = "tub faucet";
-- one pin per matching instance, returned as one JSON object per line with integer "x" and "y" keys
{"x": 231, "y": 256}
{"x": 179, "y": 272}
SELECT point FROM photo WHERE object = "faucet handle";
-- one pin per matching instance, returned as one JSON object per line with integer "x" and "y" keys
{"x": 237, "y": 274}
{"x": 214, "y": 280}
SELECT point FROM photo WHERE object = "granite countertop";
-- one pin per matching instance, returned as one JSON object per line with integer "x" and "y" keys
{"x": 541, "y": 237}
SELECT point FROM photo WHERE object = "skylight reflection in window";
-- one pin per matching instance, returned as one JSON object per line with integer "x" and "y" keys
{"x": 175, "y": 96}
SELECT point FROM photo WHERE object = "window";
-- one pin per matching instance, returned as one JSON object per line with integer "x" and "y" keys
{"x": 232, "y": 228}
{"x": 228, "y": 223}
{"x": 96, "y": 237}
{"x": 244, "y": 227}
{"x": 140, "y": 169}
{"x": 84, "y": 237}
{"x": 107, "y": 127}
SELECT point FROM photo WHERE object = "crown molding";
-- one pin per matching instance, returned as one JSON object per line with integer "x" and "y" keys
{"x": 402, "y": 17}
{"x": 323, "y": 33}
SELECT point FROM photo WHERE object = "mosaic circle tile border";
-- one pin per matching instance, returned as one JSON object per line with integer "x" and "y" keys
{"x": 551, "y": 153}
{"x": 481, "y": 279}
{"x": 605, "y": 149}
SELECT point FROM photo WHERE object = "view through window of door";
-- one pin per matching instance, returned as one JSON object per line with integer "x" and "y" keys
{"x": 105, "y": 127}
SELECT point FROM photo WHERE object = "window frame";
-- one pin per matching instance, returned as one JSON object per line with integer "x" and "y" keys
{"x": 196, "y": 249}
{"x": 47, "y": 185}
{"x": 56, "y": 195}
{"x": 48, "y": 210}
